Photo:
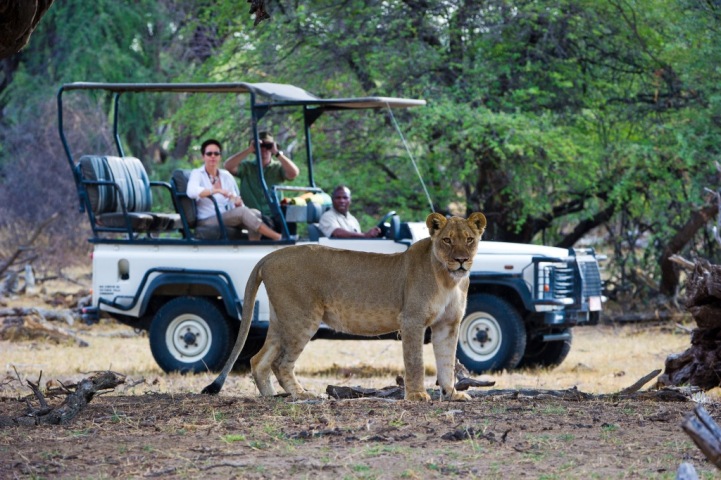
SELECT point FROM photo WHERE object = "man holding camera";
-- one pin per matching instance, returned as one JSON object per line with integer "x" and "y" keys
{"x": 277, "y": 168}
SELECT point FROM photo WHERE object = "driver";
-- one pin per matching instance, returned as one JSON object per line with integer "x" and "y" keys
{"x": 339, "y": 223}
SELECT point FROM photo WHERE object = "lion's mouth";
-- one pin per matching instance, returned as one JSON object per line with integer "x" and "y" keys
{"x": 460, "y": 271}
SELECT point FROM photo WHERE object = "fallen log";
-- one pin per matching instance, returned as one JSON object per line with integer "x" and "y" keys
{"x": 75, "y": 401}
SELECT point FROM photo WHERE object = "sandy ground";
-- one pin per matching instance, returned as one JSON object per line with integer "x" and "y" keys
{"x": 156, "y": 425}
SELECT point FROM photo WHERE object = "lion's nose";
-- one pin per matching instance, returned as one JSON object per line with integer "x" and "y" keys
{"x": 462, "y": 260}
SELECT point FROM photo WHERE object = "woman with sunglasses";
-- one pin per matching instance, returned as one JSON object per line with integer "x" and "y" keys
{"x": 210, "y": 180}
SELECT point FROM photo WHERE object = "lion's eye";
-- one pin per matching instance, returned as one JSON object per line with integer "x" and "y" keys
{"x": 469, "y": 240}
{"x": 447, "y": 240}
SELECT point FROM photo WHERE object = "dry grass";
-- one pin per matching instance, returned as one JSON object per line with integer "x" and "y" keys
{"x": 602, "y": 360}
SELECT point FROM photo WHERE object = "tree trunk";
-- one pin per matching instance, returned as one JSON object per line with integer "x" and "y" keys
{"x": 700, "y": 365}
{"x": 669, "y": 271}
{"x": 18, "y": 19}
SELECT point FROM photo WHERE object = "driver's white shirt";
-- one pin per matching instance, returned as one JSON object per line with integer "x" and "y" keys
{"x": 333, "y": 219}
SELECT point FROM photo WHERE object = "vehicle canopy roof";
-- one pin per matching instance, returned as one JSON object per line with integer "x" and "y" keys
{"x": 277, "y": 93}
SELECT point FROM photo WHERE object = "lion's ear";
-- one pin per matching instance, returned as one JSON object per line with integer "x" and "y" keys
{"x": 477, "y": 221}
{"x": 435, "y": 222}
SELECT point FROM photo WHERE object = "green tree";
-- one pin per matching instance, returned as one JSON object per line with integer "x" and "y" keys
{"x": 553, "y": 118}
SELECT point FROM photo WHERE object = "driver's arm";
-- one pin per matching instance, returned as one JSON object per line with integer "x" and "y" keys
{"x": 340, "y": 233}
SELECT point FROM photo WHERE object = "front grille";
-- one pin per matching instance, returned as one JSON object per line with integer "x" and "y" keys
{"x": 561, "y": 282}
{"x": 590, "y": 278}
{"x": 555, "y": 282}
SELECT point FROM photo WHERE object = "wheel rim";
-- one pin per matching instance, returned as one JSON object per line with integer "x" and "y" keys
{"x": 480, "y": 336}
{"x": 188, "y": 338}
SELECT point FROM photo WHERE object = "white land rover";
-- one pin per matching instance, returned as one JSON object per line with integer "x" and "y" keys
{"x": 184, "y": 283}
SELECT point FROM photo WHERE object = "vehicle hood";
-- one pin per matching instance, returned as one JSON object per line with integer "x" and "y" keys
{"x": 507, "y": 248}
{"x": 420, "y": 231}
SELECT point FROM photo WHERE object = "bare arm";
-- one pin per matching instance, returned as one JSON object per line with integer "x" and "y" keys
{"x": 340, "y": 233}
{"x": 231, "y": 164}
{"x": 290, "y": 169}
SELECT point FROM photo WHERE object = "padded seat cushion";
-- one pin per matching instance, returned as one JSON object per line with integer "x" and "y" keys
{"x": 138, "y": 221}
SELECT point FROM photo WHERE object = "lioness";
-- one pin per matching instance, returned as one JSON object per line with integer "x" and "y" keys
{"x": 364, "y": 294}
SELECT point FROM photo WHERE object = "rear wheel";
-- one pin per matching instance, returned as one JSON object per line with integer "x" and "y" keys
{"x": 190, "y": 335}
{"x": 492, "y": 336}
{"x": 540, "y": 354}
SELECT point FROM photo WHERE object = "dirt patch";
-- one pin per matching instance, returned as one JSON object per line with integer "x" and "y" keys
{"x": 190, "y": 435}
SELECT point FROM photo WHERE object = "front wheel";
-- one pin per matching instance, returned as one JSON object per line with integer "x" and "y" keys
{"x": 492, "y": 336}
{"x": 190, "y": 335}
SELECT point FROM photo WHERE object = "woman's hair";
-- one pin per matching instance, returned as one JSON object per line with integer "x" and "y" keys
{"x": 210, "y": 141}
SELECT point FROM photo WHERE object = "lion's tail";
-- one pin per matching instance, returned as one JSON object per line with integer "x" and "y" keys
{"x": 251, "y": 290}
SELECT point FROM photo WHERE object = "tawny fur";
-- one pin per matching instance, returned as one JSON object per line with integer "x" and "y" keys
{"x": 364, "y": 294}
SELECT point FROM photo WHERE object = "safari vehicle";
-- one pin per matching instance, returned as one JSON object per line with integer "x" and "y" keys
{"x": 160, "y": 272}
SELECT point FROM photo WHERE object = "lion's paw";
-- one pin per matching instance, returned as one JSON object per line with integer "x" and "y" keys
{"x": 457, "y": 396}
{"x": 418, "y": 396}
{"x": 304, "y": 395}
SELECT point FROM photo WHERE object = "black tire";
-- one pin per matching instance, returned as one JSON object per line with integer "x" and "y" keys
{"x": 540, "y": 354}
{"x": 190, "y": 335}
{"x": 492, "y": 336}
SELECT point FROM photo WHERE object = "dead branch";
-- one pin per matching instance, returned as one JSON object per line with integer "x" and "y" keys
{"x": 27, "y": 246}
{"x": 73, "y": 404}
{"x": 685, "y": 264}
{"x": 35, "y": 326}
{"x": 360, "y": 392}
{"x": 46, "y": 313}
{"x": 670, "y": 394}
{"x": 705, "y": 433}
{"x": 640, "y": 383}
{"x": 466, "y": 383}
{"x": 653, "y": 316}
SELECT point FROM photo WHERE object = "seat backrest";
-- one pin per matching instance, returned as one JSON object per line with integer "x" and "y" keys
{"x": 128, "y": 173}
{"x": 315, "y": 210}
{"x": 179, "y": 182}
{"x": 314, "y": 233}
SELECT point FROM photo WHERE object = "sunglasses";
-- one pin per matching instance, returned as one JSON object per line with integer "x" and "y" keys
{"x": 213, "y": 154}
{"x": 267, "y": 145}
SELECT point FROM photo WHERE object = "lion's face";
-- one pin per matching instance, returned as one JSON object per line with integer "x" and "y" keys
{"x": 455, "y": 241}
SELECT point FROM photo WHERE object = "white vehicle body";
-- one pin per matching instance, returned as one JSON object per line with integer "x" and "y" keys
{"x": 159, "y": 272}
